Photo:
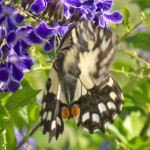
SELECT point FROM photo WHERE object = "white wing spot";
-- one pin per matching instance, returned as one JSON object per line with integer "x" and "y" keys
{"x": 49, "y": 115}
{"x": 101, "y": 107}
{"x": 58, "y": 93}
{"x": 53, "y": 125}
{"x": 121, "y": 95}
{"x": 44, "y": 115}
{"x": 106, "y": 124}
{"x": 76, "y": 119}
{"x": 114, "y": 116}
{"x": 96, "y": 130}
{"x": 85, "y": 129}
{"x": 105, "y": 44}
{"x": 74, "y": 37}
{"x": 101, "y": 33}
{"x": 113, "y": 95}
{"x": 58, "y": 121}
{"x": 90, "y": 26}
{"x": 120, "y": 107}
{"x": 111, "y": 105}
{"x": 53, "y": 138}
{"x": 110, "y": 82}
{"x": 44, "y": 105}
{"x": 95, "y": 118}
{"x": 85, "y": 117}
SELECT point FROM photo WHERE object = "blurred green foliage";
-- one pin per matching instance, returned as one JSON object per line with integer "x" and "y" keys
{"x": 131, "y": 129}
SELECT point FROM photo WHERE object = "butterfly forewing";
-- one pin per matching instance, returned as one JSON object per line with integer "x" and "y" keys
{"x": 80, "y": 81}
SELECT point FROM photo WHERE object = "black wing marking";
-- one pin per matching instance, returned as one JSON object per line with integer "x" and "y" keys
{"x": 99, "y": 106}
{"x": 51, "y": 119}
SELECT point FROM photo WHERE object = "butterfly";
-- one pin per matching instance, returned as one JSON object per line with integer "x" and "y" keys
{"x": 79, "y": 84}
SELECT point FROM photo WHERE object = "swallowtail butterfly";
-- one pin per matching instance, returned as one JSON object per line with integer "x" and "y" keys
{"x": 79, "y": 84}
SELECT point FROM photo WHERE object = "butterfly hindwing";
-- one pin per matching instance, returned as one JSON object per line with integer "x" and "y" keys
{"x": 51, "y": 119}
{"x": 99, "y": 106}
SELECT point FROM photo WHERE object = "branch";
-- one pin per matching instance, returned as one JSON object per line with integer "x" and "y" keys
{"x": 130, "y": 74}
{"x": 128, "y": 33}
{"x": 134, "y": 54}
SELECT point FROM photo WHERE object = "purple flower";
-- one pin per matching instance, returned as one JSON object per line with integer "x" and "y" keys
{"x": 38, "y": 6}
{"x": 10, "y": 17}
{"x": 11, "y": 68}
{"x": 19, "y": 136}
{"x": 42, "y": 34}
{"x": 104, "y": 5}
{"x": 105, "y": 145}
{"x": 19, "y": 39}
{"x": 56, "y": 8}
{"x": 106, "y": 17}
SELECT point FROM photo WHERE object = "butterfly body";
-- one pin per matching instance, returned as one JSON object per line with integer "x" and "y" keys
{"x": 79, "y": 84}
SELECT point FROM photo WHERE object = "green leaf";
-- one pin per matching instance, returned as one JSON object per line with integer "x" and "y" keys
{"x": 2, "y": 95}
{"x": 140, "y": 40}
{"x": 143, "y": 4}
{"x": 134, "y": 124}
{"x": 33, "y": 113}
{"x": 139, "y": 144}
{"x": 3, "y": 139}
{"x": 21, "y": 98}
{"x": 126, "y": 15}
{"x": 3, "y": 114}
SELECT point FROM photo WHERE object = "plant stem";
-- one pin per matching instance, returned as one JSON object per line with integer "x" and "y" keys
{"x": 31, "y": 132}
{"x": 128, "y": 33}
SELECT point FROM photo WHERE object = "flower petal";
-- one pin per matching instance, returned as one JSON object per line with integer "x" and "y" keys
{"x": 18, "y": 18}
{"x": 43, "y": 31}
{"x": 34, "y": 39}
{"x": 26, "y": 61}
{"x": 18, "y": 48}
{"x": 115, "y": 17}
{"x": 17, "y": 74}
{"x": 1, "y": 53}
{"x": 4, "y": 75}
{"x": 13, "y": 85}
{"x": 2, "y": 32}
{"x": 73, "y": 3}
{"x": 11, "y": 37}
{"x": 10, "y": 25}
{"x": 102, "y": 21}
{"x": 2, "y": 19}
{"x": 104, "y": 5}
{"x": 49, "y": 46}
{"x": 38, "y": 6}
{"x": 66, "y": 12}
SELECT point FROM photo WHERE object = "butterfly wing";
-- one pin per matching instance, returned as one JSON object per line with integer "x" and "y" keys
{"x": 97, "y": 94}
{"x": 80, "y": 79}
{"x": 99, "y": 105}
{"x": 51, "y": 119}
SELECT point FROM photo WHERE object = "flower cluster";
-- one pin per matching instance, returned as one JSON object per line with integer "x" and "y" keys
{"x": 16, "y": 38}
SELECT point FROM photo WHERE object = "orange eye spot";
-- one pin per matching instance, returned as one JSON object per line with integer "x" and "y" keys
{"x": 65, "y": 112}
{"x": 75, "y": 110}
